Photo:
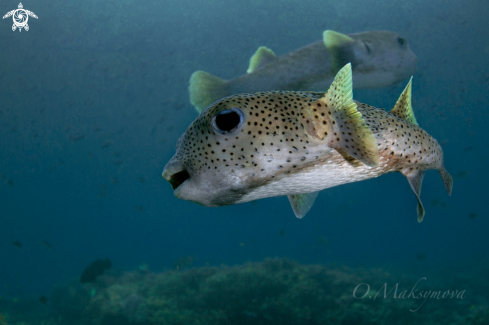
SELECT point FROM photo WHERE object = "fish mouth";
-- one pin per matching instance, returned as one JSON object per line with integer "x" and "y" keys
{"x": 176, "y": 177}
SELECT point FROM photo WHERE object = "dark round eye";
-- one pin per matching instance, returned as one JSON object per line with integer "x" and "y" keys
{"x": 401, "y": 40}
{"x": 228, "y": 121}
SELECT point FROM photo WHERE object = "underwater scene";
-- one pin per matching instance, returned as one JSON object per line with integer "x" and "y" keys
{"x": 244, "y": 162}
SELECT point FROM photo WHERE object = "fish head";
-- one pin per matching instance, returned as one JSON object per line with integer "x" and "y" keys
{"x": 384, "y": 54}
{"x": 240, "y": 143}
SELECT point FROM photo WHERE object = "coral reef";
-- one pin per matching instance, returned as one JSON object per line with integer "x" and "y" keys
{"x": 275, "y": 291}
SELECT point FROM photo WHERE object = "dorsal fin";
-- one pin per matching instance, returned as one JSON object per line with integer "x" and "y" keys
{"x": 335, "y": 119}
{"x": 261, "y": 58}
{"x": 339, "y": 45}
{"x": 403, "y": 107}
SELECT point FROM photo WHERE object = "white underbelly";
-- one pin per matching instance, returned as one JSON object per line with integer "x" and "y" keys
{"x": 317, "y": 178}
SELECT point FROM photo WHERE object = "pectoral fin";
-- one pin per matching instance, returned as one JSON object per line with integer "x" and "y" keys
{"x": 261, "y": 58}
{"x": 415, "y": 179}
{"x": 302, "y": 203}
{"x": 336, "y": 120}
{"x": 341, "y": 48}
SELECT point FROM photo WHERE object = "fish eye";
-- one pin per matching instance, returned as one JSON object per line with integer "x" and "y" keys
{"x": 401, "y": 40}
{"x": 228, "y": 121}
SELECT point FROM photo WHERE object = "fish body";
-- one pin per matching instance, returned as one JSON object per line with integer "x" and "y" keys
{"x": 379, "y": 59}
{"x": 251, "y": 146}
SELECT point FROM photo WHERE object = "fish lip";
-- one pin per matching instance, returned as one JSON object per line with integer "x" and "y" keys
{"x": 176, "y": 176}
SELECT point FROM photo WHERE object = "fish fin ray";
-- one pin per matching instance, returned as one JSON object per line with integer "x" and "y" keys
{"x": 336, "y": 119}
{"x": 339, "y": 45}
{"x": 403, "y": 107}
{"x": 302, "y": 203}
{"x": 204, "y": 89}
{"x": 415, "y": 179}
{"x": 262, "y": 57}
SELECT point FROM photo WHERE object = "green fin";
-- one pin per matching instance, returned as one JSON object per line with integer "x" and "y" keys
{"x": 447, "y": 179}
{"x": 339, "y": 45}
{"x": 205, "y": 89}
{"x": 335, "y": 119}
{"x": 302, "y": 203}
{"x": 403, "y": 107}
{"x": 415, "y": 179}
{"x": 261, "y": 58}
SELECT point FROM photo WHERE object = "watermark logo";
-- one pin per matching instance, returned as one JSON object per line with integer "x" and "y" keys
{"x": 363, "y": 291}
{"x": 20, "y": 17}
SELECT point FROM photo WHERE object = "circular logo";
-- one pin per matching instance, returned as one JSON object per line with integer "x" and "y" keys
{"x": 20, "y": 18}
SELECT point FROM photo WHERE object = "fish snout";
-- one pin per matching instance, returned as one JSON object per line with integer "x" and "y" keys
{"x": 175, "y": 174}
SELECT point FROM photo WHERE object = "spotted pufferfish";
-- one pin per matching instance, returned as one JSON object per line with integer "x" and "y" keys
{"x": 251, "y": 146}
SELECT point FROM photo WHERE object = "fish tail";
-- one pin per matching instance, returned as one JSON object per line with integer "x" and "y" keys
{"x": 447, "y": 179}
{"x": 205, "y": 89}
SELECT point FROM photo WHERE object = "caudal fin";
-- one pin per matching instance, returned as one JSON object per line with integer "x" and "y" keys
{"x": 447, "y": 179}
{"x": 205, "y": 89}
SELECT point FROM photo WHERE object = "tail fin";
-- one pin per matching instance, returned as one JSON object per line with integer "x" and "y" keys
{"x": 447, "y": 179}
{"x": 205, "y": 89}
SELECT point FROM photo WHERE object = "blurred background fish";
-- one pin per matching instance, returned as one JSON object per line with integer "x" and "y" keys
{"x": 378, "y": 58}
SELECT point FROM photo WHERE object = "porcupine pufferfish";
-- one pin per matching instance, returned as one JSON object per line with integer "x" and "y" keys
{"x": 379, "y": 58}
{"x": 251, "y": 146}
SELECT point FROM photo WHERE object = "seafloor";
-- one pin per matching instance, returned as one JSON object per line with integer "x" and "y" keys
{"x": 275, "y": 291}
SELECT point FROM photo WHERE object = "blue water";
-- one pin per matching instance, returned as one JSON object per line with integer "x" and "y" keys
{"x": 94, "y": 97}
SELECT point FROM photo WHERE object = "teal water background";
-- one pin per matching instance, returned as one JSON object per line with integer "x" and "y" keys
{"x": 94, "y": 96}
